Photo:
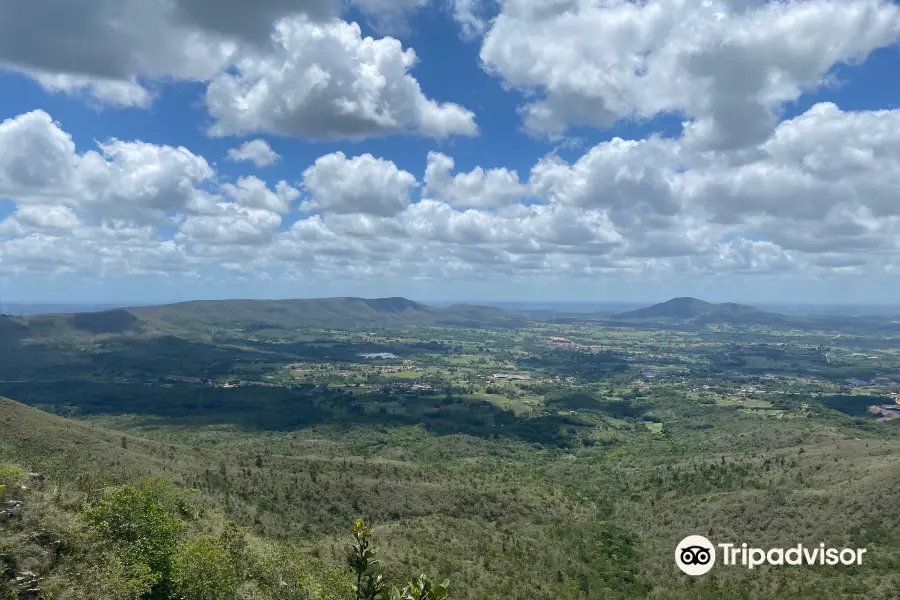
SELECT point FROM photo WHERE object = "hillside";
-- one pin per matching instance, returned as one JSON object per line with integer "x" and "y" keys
{"x": 698, "y": 310}
{"x": 329, "y": 313}
{"x": 291, "y": 490}
{"x": 87, "y": 513}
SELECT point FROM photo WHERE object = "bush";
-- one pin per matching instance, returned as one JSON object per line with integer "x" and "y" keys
{"x": 203, "y": 570}
{"x": 139, "y": 524}
{"x": 288, "y": 574}
{"x": 112, "y": 576}
{"x": 10, "y": 476}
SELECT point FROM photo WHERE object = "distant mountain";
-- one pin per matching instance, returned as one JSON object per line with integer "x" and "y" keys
{"x": 332, "y": 313}
{"x": 253, "y": 315}
{"x": 701, "y": 312}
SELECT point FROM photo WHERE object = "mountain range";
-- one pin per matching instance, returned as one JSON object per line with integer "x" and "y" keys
{"x": 330, "y": 313}
{"x": 377, "y": 313}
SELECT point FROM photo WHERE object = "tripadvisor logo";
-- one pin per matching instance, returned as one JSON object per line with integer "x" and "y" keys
{"x": 696, "y": 555}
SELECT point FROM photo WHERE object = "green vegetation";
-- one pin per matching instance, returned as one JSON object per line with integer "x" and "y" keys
{"x": 220, "y": 450}
{"x": 151, "y": 541}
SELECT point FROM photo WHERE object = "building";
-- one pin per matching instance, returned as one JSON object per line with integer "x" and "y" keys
{"x": 378, "y": 355}
{"x": 507, "y": 377}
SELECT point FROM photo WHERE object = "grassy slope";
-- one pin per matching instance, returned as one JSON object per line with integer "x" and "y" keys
{"x": 62, "y": 447}
{"x": 435, "y": 515}
{"x": 507, "y": 522}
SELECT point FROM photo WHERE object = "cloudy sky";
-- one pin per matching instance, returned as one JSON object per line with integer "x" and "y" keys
{"x": 599, "y": 150}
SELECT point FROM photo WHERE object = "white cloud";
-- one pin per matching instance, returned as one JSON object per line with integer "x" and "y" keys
{"x": 37, "y": 158}
{"x": 728, "y": 64}
{"x": 390, "y": 16}
{"x": 125, "y": 181}
{"x": 253, "y": 193}
{"x": 825, "y": 180}
{"x": 139, "y": 182}
{"x": 469, "y": 14}
{"x": 107, "y": 91}
{"x": 815, "y": 199}
{"x": 345, "y": 86}
{"x": 256, "y": 151}
{"x": 636, "y": 182}
{"x": 288, "y": 67}
{"x": 235, "y": 225}
{"x": 362, "y": 184}
{"x": 47, "y": 218}
{"x": 477, "y": 188}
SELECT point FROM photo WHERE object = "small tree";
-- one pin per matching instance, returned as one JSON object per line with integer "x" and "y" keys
{"x": 203, "y": 570}
{"x": 361, "y": 558}
{"x": 136, "y": 519}
{"x": 371, "y": 586}
{"x": 422, "y": 588}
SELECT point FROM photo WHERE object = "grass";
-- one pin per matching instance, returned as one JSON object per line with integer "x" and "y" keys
{"x": 654, "y": 427}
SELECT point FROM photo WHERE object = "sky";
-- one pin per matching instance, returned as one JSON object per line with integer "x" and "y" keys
{"x": 510, "y": 150}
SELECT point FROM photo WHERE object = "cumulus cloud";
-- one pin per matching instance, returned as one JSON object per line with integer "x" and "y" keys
{"x": 325, "y": 81}
{"x": 252, "y": 192}
{"x": 37, "y": 158}
{"x": 256, "y": 151}
{"x": 815, "y": 198}
{"x": 362, "y": 184}
{"x": 123, "y": 93}
{"x": 825, "y": 180}
{"x": 234, "y": 225}
{"x": 108, "y": 210}
{"x": 477, "y": 188}
{"x": 288, "y": 67}
{"x": 138, "y": 182}
{"x": 103, "y": 46}
{"x": 727, "y": 64}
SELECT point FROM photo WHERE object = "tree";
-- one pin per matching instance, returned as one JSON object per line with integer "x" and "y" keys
{"x": 370, "y": 585}
{"x": 361, "y": 558}
{"x": 203, "y": 570}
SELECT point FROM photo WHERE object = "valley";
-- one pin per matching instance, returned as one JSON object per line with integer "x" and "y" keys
{"x": 521, "y": 456}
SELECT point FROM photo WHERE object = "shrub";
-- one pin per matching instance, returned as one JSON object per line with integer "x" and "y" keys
{"x": 203, "y": 570}
{"x": 136, "y": 520}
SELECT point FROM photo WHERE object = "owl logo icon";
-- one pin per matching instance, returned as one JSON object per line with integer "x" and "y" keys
{"x": 695, "y": 555}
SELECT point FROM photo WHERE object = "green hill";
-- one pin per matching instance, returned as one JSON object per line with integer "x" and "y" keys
{"x": 329, "y": 313}
{"x": 683, "y": 309}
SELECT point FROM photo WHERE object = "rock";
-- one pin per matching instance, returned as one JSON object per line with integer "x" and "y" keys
{"x": 27, "y": 583}
{"x": 12, "y": 509}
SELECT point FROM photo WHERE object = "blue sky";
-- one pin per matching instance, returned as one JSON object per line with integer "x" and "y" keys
{"x": 733, "y": 150}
